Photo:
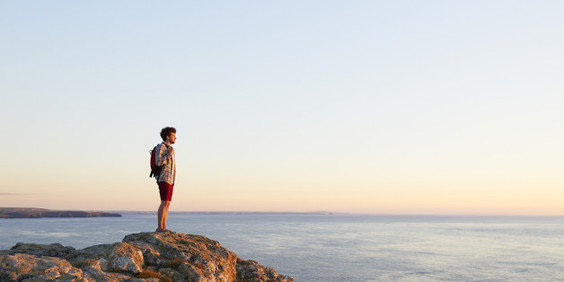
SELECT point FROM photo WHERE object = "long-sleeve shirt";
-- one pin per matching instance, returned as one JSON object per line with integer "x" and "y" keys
{"x": 165, "y": 159}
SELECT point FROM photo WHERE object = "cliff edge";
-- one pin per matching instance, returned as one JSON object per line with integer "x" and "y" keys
{"x": 165, "y": 256}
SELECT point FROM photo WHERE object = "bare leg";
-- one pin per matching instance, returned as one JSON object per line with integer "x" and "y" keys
{"x": 162, "y": 214}
{"x": 165, "y": 214}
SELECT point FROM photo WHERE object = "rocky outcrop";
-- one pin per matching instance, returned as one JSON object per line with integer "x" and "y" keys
{"x": 166, "y": 256}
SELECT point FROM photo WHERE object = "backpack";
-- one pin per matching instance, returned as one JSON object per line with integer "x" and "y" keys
{"x": 155, "y": 170}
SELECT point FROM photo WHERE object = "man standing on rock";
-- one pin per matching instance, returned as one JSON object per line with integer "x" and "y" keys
{"x": 164, "y": 156}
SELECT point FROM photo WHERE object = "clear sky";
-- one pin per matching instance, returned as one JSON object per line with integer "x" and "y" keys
{"x": 423, "y": 107}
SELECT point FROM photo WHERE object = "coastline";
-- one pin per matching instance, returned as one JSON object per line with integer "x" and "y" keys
{"x": 40, "y": 213}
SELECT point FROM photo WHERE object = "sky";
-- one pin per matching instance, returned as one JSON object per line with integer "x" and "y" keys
{"x": 387, "y": 107}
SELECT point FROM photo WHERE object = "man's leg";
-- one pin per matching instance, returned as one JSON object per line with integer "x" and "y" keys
{"x": 165, "y": 191}
{"x": 163, "y": 213}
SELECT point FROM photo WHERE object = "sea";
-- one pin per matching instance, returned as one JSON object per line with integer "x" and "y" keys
{"x": 342, "y": 247}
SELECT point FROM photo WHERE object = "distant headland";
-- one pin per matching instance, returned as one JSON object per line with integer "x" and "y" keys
{"x": 38, "y": 213}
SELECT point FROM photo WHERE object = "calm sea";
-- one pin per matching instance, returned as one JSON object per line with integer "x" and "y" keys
{"x": 344, "y": 247}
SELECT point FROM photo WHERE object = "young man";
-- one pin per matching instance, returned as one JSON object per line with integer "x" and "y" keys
{"x": 164, "y": 156}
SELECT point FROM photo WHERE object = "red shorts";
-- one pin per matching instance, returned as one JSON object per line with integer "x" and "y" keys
{"x": 165, "y": 190}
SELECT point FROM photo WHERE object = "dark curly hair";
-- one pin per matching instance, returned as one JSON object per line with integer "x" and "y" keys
{"x": 166, "y": 132}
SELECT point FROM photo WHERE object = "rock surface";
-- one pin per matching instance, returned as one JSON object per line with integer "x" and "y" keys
{"x": 165, "y": 256}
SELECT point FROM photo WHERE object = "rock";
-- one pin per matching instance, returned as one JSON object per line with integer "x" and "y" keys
{"x": 51, "y": 250}
{"x": 95, "y": 271}
{"x": 250, "y": 270}
{"x": 124, "y": 257}
{"x": 90, "y": 255}
{"x": 23, "y": 266}
{"x": 204, "y": 257}
{"x": 163, "y": 256}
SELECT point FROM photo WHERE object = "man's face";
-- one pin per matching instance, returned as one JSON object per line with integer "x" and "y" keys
{"x": 171, "y": 138}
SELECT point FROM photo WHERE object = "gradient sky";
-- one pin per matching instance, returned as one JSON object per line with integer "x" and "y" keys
{"x": 424, "y": 107}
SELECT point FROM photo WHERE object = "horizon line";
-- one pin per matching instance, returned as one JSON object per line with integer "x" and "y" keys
{"x": 341, "y": 213}
{"x": 317, "y": 212}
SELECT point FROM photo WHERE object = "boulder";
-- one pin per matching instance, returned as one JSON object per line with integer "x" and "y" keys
{"x": 250, "y": 271}
{"x": 124, "y": 257}
{"x": 18, "y": 267}
{"x": 51, "y": 250}
{"x": 96, "y": 254}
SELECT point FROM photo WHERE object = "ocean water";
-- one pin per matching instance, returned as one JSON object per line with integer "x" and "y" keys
{"x": 338, "y": 247}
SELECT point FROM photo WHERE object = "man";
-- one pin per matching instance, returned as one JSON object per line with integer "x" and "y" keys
{"x": 164, "y": 156}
